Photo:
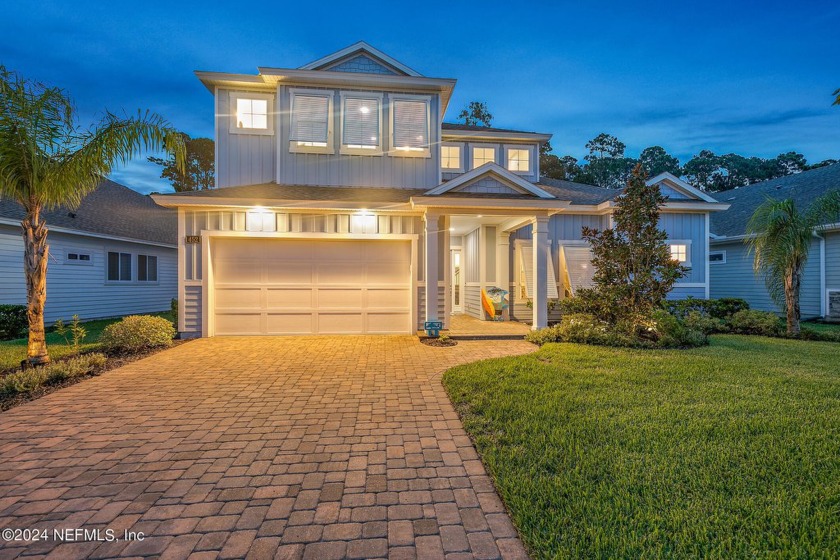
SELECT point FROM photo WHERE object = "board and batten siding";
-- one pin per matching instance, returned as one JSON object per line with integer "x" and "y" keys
{"x": 83, "y": 289}
{"x": 241, "y": 158}
{"x": 735, "y": 278}
{"x": 196, "y": 221}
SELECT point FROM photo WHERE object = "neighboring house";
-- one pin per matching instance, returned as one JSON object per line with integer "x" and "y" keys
{"x": 341, "y": 193}
{"x": 731, "y": 262}
{"x": 114, "y": 255}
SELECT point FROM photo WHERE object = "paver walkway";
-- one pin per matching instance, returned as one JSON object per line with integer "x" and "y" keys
{"x": 310, "y": 447}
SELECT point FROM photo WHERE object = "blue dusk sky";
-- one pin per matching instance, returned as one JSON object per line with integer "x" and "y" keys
{"x": 753, "y": 78}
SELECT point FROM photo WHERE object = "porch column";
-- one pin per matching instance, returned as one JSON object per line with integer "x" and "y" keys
{"x": 503, "y": 263}
{"x": 446, "y": 262}
{"x": 540, "y": 288}
{"x": 431, "y": 267}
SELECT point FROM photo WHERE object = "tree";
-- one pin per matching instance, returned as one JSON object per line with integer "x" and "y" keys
{"x": 200, "y": 168}
{"x": 656, "y": 160}
{"x": 606, "y": 165}
{"x": 634, "y": 270}
{"x": 822, "y": 164}
{"x": 476, "y": 114}
{"x": 605, "y": 145}
{"x": 701, "y": 170}
{"x": 47, "y": 160}
{"x": 789, "y": 163}
{"x": 565, "y": 168}
{"x": 780, "y": 236}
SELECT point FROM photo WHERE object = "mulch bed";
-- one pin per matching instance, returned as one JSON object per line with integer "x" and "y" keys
{"x": 113, "y": 362}
{"x": 438, "y": 343}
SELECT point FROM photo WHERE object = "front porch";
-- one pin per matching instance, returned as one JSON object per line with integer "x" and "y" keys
{"x": 464, "y": 327}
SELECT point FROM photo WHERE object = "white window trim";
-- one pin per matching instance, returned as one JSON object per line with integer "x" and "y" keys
{"x": 687, "y": 243}
{"x": 461, "y": 159}
{"x": 531, "y": 158}
{"x": 330, "y": 147}
{"x": 393, "y": 151}
{"x": 88, "y": 262}
{"x": 132, "y": 260}
{"x": 154, "y": 282}
{"x": 261, "y": 221}
{"x": 269, "y": 97}
{"x": 378, "y": 151}
{"x": 472, "y": 147}
{"x": 722, "y": 252}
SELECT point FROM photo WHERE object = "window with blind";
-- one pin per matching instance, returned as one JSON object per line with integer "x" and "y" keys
{"x": 579, "y": 272}
{"x": 361, "y": 129}
{"x": 526, "y": 273}
{"x": 410, "y": 127}
{"x": 311, "y": 126}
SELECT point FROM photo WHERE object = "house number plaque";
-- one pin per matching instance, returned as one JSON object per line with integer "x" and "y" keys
{"x": 193, "y": 239}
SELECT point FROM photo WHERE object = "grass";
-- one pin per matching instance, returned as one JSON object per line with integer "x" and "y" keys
{"x": 12, "y": 352}
{"x": 821, "y": 327}
{"x": 726, "y": 451}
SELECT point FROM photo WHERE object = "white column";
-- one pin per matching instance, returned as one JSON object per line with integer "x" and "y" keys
{"x": 503, "y": 263}
{"x": 431, "y": 265}
{"x": 446, "y": 263}
{"x": 540, "y": 288}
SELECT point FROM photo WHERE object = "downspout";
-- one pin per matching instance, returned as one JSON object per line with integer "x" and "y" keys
{"x": 823, "y": 309}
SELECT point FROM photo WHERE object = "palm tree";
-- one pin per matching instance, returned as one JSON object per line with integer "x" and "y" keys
{"x": 48, "y": 161}
{"x": 780, "y": 236}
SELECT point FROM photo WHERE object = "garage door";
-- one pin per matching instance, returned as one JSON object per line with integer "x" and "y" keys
{"x": 272, "y": 286}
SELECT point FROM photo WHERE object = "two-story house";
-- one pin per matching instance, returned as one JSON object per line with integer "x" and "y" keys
{"x": 346, "y": 205}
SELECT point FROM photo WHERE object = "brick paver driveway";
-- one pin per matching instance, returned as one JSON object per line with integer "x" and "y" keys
{"x": 309, "y": 447}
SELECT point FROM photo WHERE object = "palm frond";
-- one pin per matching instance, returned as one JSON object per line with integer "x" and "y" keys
{"x": 825, "y": 210}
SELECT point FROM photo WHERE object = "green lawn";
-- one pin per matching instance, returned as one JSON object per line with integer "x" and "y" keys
{"x": 12, "y": 352}
{"x": 727, "y": 451}
{"x": 833, "y": 327}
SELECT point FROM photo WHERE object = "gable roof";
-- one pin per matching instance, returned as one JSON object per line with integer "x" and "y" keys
{"x": 113, "y": 210}
{"x": 495, "y": 171}
{"x": 577, "y": 193}
{"x": 801, "y": 187}
{"x": 679, "y": 185}
{"x": 330, "y": 61}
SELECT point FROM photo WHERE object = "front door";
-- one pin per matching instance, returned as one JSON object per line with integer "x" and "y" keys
{"x": 457, "y": 276}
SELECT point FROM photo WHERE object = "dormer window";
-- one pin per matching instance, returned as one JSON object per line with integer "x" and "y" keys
{"x": 450, "y": 158}
{"x": 519, "y": 160}
{"x": 251, "y": 113}
{"x": 410, "y": 126}
{"x": 361, "y": 124}
{"x": 311, "y": 126}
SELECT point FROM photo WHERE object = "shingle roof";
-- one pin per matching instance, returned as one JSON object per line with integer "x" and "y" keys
{"x": 112, "y": 209}
{"x": 802, "y": 188}
{"x": 578, "y": 193}
{"x": 473, "y": 128}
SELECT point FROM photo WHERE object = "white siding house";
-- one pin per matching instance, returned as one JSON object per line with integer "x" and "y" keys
{"x": 115, "y": 255}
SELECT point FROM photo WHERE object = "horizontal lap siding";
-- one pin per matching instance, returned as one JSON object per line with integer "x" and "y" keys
{"x": 82, "y": 289}
{"x": 832, "y": 259}
{"x": 736, "y": 278}
{"x": 421, "y": 306}
{"x": 472, "y": 301}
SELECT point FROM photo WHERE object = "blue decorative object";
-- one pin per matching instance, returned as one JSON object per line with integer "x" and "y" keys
{"x": 499, "y": 297}
{"x": 433, "y": 328}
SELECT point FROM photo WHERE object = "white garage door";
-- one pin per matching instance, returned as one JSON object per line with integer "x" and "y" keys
{"x": 280, "y": 286}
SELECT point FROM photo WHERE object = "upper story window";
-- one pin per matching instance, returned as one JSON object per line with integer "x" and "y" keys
{"x": 361, "y": 124}
{"x": 147, "y": 268}
{"x": 450, "y": 158}
{"x": 519, "y": 160}
{"x": 311, "y": 125}
{"x": 482, "y": 155}
{"x": 78, "y": 257}
{"x": 251, "y": 113}
{"x": 119, "y": 267}
{"x": 410, "y": 126}
{"x": 679, "y": 252}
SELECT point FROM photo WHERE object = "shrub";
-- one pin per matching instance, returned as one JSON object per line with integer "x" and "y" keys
{"x": 73, "y": 334}
{"x": 722, "y": 308}
{"x": 136, "y": 333}
{"x": 703, "y": 323}
{"x": 824, "y": 336}
{"x": 173, "y": 306}
{"x": 13, "y": 323}
{"x": 751, "y": 321}
{"x": 28, "y": 380}
{"x": 584, "y": 328}
{"x": 671, "y": 332}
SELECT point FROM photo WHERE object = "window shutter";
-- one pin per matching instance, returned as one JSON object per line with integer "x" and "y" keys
{"x": 310, "y": 118}
{"x": 411, "y": 124}
{"x": 361, "y": 122}
{"x": 526, "y": 255}
{"x": 579, "y": 269}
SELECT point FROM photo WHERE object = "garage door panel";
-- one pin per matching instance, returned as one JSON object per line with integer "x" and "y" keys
{"x": 238, "y": 323}
{"x": 238, "y": 297}
{"x": 286, "y": 286}
{"x": 340, "y": 297}
{"x": 290, "y": 297}
{"x": 340, "y": 323}
{"x": 289, "y": 323}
